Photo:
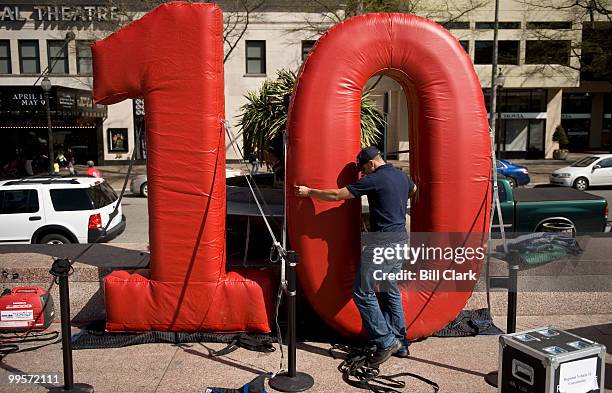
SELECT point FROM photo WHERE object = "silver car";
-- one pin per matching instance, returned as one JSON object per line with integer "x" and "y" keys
{"x": 138, "y": 186}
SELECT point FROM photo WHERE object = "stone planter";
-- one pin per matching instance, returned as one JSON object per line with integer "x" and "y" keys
{"x": 560, "y": 154}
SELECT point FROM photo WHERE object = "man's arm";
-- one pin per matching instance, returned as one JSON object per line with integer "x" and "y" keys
{"x": 330, "y": 195}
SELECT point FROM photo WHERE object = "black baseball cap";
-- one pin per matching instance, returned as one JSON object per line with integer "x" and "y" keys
{"x": 366, "y": 154}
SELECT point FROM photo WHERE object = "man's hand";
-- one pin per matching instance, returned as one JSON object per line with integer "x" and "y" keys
{"x": 330, "y": 195}
{"x": 302, "y": 191}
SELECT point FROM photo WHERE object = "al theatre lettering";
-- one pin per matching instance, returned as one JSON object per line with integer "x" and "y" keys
{"x": 85, "y": 13}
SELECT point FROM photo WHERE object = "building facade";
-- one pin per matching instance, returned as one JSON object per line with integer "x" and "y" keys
{"x": 543, "y": 83}
{"x": 54, "y": 41}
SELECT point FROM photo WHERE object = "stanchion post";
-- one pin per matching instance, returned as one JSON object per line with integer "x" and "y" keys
{"x": 61, "y": 269}
{"x": 292, "y": 380}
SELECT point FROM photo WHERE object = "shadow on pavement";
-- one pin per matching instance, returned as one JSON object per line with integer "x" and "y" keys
{"x": 601, "y": 334}
{"x": 232, "y": 363}
{"x": 100, "y": 255}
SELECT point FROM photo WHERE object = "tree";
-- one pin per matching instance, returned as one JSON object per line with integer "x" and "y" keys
{"x": 444, "y": 11}
{"x": 591, "y": 24}
{"x": 237, "y": 15}
{"x": 264, "y": 115}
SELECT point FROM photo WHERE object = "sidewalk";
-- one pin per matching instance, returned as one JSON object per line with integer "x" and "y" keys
{"x": 458, "y": 365}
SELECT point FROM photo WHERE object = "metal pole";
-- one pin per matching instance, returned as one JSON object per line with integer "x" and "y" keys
{"x": 512, "y": 299}
{"x": 50, "y": 133}
{"x": 291, "y": 319}
{"x": 61, "y": 269}
{"x": 292, "y": 380}
{"x": 66, "y": 334}
{"x": 493, "y": 105}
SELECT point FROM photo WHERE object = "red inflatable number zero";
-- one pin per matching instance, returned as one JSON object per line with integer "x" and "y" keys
{"x": 449, "y": 156}
{"x": 173, "y": 57}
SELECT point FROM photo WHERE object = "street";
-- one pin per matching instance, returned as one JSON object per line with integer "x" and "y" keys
{"x": 137, "y": 216}
{"x": 135, "y": 209}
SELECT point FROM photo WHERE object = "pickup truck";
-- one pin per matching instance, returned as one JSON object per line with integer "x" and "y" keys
{"x": 528, "y": 209}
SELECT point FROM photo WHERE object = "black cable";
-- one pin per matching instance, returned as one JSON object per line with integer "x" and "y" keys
{"x": 357, "y": 372}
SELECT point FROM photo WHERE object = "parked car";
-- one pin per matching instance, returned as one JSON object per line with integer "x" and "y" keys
{"x": 57, "y": 210}
{"x": 139, "y": 184}
{"x": 593, "y": 170}
{"x": 517, "y": 175}
{"x": 528, "y": 209}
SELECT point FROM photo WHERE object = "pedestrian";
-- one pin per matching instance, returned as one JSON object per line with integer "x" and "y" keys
{"x": 92, "y": 170}
{"x": 70, "y": 162}
{"x": 388, "y": 190}
{"x": 254, "y": 164}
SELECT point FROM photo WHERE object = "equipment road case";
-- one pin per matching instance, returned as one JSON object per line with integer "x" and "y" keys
{"x": 550, "y": 360}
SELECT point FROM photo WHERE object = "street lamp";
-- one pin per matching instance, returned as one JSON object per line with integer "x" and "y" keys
{"x": 46, "y": 86}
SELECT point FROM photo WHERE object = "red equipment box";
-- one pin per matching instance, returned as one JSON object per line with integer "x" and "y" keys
{"x": 25, "y": 308}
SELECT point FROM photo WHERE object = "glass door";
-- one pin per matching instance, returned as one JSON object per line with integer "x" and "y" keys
{"x": 535, "y": 147}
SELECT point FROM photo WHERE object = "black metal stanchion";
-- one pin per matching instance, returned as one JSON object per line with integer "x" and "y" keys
{"x": 61, "y": 269}
{"x": 291, "y": 381}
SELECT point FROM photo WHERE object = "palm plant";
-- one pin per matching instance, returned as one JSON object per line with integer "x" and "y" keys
{"x": 264, "y": 115}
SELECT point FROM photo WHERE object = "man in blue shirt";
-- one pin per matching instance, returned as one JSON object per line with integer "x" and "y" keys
{"x": 388, "y": 190}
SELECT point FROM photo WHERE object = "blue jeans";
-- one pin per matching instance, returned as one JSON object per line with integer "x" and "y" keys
{"x": 382, "y": 316}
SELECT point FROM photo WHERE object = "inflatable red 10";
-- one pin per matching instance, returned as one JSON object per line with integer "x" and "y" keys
{"x": 449, "y": 157}
{"x": 173, "y": 57}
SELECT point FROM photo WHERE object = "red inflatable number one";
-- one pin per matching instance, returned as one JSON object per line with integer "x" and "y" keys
{"x": 173, "y": 57}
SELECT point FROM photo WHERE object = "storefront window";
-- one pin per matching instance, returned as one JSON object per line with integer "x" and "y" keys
{"x": 606, "y": 128}
{"x": 538, "y": 101}
{"x": 535, "y": 148}
{"x": 521, "y": 122}
{"x": 515, "y": 101}
{"x": 515, "y": 135}
{"x": 576, "y": 119}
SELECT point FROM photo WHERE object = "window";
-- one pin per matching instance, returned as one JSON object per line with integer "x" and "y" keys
{"x": 466, "y": 45}
{"x": 18, "y": 201}
{"x": 83, "y": 55}
{"x": 5, "y": 57}
{"x": 508, "y": 52}
{"x": 256, "y": 57}
{"x": 73, "y": 199}
{"x": 549, "y": 25}
{"x": 456, "y": 25}
{"x": 500, "y": 25}
{"x": 57, "y": 54}
{"x": 29, "y": 58}
{"x": 605, "y": 163}
{"x": 547, "y": 52}
{"x": 576, "y": 103}
{"x": 306, "y": 48}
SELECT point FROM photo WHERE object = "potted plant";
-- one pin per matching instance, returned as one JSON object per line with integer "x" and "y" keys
{"x": 560, "y": 136}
